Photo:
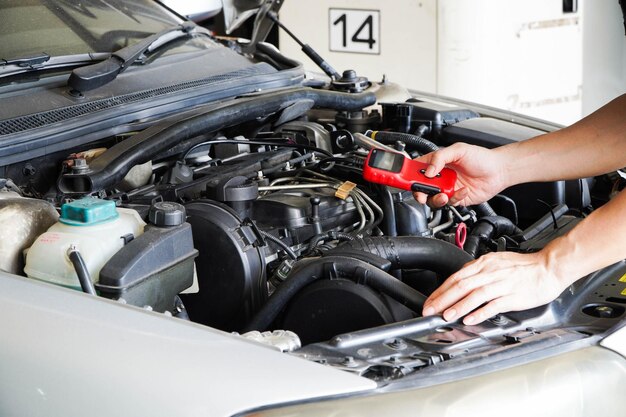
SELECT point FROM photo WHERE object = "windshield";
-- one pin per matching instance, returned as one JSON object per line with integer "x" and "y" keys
{"x": 67, "y": 27}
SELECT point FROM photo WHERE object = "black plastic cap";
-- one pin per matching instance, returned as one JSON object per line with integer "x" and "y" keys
{"x": 167, "y": 214}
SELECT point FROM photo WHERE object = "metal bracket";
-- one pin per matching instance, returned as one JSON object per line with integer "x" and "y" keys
{"x": 262, "y": 25}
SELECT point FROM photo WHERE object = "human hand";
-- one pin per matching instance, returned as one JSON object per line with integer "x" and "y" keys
{"x": 480, "y": 174}
{"x": 505, "y": 281}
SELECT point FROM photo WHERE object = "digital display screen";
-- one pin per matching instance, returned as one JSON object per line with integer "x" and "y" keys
{"x": 388, "y": 161}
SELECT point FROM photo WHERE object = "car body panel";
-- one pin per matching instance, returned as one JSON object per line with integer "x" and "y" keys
{"x": 195, "y": 9}
{"x": 586, "y": 382}
{"x": 616, "y": 341}
{"x": 65, "y": 353}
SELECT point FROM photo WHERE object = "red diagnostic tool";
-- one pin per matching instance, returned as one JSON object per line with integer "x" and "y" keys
{"x": 396, "y": 170}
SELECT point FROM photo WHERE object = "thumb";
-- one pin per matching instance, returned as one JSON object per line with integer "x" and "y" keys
{"x": 438, "y": 160}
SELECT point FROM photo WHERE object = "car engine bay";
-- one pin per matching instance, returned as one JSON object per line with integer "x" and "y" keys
{"x": 250, "y": 214}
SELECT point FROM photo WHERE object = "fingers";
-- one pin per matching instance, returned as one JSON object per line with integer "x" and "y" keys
{"x": 477, "y": 297}
{"x": 459, "y": 195}
{"x": 460, "y": 296}
{"x": 495, "y": 283}
{"x": 467, "y": 289}
{"x": 487, "y": 311}
{"x": 438, "y": 161}
{"x": 435, "y": 202}
{"x": 420, "y": 197}
{"x": 469, "y": 269}
{"x": 441, "y": 199}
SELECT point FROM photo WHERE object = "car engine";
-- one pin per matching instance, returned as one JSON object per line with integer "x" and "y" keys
{"x": 251, "y": 213}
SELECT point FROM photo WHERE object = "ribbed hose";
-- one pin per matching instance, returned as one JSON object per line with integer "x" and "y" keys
{"x": 410, "y": 252}
{"x": 310, "y": 270}
{"x": 485, "y": 210}
{"x": 113, "y": 165}
{"x": 489, "y": 228}
{"x": 417, "y": 142}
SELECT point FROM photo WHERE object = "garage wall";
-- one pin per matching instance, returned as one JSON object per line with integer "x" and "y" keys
{"x": 520, "y": 56}
{"x": 529, "y": 56}
{"x": 407, "y": 39}
{"x": 604, "y": 46}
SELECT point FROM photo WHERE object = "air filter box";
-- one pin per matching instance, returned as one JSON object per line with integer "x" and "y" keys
{"x": 409, "y": 116}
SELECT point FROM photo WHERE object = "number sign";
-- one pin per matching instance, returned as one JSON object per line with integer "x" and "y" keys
{"x": 354, "y": 30}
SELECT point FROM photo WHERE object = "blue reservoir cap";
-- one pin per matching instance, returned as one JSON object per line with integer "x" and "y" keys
{"x": 88, "y": 212}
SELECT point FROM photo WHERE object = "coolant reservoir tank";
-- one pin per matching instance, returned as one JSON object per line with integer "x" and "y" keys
{"x": 95, "y": 227}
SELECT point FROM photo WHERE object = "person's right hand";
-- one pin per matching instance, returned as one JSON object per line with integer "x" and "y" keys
{"x": 480, "y": 174}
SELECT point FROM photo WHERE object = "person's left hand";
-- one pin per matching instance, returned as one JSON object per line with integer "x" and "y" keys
{"x": 505, "y": 281}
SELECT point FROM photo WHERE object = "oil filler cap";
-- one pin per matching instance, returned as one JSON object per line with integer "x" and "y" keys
{"x": 167, "y": 214}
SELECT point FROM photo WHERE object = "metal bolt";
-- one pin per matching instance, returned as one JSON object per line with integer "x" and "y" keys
{"x": 397, "y": 344}
{"x": 80, "y": 164}
{"x": 498, "y": 319}
{"x": 348, "y": 361}
{"x": 29, "y": 170}
{"x": 348, "y": 75}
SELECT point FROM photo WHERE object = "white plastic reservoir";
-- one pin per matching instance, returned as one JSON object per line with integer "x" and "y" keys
{"x": 96, "y": 228}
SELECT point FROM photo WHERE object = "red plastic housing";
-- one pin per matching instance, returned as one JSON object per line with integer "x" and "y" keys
{"x": 396, "y": 170}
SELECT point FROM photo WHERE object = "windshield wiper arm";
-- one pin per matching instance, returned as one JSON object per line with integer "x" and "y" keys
{"x": 96, "y": 75}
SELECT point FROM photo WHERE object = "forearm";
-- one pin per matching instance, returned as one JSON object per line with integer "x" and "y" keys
{"x": 595, "y": 145}
{"x": 596, "y": 242}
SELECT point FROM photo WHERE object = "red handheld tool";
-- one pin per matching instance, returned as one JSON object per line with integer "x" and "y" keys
{"x": 396, "y": 170}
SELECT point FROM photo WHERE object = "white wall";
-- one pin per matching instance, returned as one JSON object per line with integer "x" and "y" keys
{"x": 604, "y": 51}
{"x": 520, "y": 56}
{"x": 408, "y": 37}
{"x": 525, "y": 56}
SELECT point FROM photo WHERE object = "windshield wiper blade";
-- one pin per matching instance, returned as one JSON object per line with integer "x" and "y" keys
{"x": 96, "y": 75}
{"x": 29, "y": 61}
{"x": 27, "y": 64}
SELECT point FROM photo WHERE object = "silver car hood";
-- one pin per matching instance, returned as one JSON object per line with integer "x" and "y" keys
{"x": 153, "y": 365}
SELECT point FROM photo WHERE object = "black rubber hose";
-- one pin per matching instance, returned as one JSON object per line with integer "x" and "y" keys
{"x": 307, "y": 271}
{"x": 280, "y": 244}
{"x": 388, "y": 224}
{"x": 412, "y": 141}
{"x": 485, "y": 210}
{"x": 513, "y": 207}
{"x": 315, "y": 240}
{"x": 410, "y": 252}
{"x": 488, "y": 228}
{"x": 81, "y": 271}
{"x": 113, "y": 165}
{"x": 279, "y": 60}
